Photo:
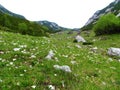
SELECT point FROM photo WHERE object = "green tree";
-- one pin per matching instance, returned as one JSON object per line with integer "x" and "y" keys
{"x": 23, "y": 28}
{"x": 107, "y": 24}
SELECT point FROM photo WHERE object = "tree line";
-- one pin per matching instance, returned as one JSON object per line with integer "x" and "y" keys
{"x": 23, "y": 26}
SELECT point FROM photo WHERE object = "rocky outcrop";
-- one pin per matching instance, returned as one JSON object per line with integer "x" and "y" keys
{"x": 113, "y": 7}
{"x": 114, "y": 51}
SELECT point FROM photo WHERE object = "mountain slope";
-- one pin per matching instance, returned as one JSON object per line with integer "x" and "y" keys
{"x": 52, "y": 26}
{"x": 18, "y": 24}
{"x": 113, "y": 7}
{"x": 5, "y": 11}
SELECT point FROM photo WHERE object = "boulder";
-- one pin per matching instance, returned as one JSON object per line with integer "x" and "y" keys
{"x": 114, "y": 51}
{"x": 63, "y": 68}
{"x": 50, "y": 55}
{"x": 79, "y": 39}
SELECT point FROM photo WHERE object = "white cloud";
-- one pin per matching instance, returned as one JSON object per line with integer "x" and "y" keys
{"x": 67, "y": 13}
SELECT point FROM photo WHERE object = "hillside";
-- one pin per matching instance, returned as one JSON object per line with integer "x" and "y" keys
{"x": 5, "y": 11}
{"x": 16, "y": 23}
{"x": 52, "y": 26}
{"x": 23, "y": 63}
{"x": 113, "y": 7}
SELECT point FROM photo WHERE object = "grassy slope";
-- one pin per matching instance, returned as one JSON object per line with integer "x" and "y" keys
{"x": 19, "y": 70}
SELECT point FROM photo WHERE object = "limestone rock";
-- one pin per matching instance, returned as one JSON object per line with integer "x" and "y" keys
{"x": 50, "y": 55}
{"x": 114, "y": 51}
{"x": 79, "y": 39}
{"x": 63, "y": 68}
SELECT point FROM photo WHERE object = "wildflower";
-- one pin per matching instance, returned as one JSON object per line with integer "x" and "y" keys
{"x": 14, "y": 59}
{"x": 1, "y": 80}
{"x": 18, "y": 83}
{"x": 16, "y": 49}
{"x": 33, "y": 86}
{"x": 51, "y": 87}
{"x": 25, "y": 70}
{"x": 21, "y": 75}
{"x": 55, "y": 74}
{"x": 11, "y": 63}
{"x": 33, "y": 56}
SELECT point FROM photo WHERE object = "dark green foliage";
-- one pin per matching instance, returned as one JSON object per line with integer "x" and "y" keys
{"x": 88, "y": 27}
{"x": 107, "y": 24}
{"x": 22, "y": 26}
{"x": 87, "y": 43}
{"x": 75, "y": 41}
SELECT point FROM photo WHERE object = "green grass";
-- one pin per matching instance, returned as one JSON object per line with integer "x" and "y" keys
{"x": 20, "y": 70}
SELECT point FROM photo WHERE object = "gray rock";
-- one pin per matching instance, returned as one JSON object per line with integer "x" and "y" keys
{"x": 79, "y": 39}
{"x": 63, "y": 68}
{"x": 50, "y": 55}
{"x": 114, "y": 51}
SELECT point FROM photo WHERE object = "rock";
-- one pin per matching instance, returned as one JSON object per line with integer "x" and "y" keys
{"x": 79, "y": 39}
{"x": 63, "y": 68}
{"x": 50, "y": 55}
{"x": 114, "y": 51}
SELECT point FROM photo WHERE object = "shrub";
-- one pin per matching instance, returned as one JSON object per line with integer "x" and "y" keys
{"x": 107, "y": 24}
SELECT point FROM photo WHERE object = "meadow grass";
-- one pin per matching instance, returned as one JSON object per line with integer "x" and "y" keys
{"x": 23, "y": 65}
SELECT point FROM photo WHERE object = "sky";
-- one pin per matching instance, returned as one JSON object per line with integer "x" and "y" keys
{"x": 66, "y": 13}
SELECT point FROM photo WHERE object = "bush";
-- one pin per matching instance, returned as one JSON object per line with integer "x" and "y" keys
{"x": 107, "y": 24}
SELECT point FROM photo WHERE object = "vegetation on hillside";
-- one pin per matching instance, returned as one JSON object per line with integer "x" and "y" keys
{"x": 107, "y": 24}
{"x": 22, "y": 26}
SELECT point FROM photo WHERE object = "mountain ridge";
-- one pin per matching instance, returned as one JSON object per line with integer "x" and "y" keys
{"x": 52, "y": 25}
{"x": 113, "y": 7}
{"x": 6, "y": 11}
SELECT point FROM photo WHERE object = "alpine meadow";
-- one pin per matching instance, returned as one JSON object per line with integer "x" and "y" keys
{"x": 41, "y": 55}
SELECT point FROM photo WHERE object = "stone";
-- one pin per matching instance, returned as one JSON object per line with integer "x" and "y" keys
{"x": 79, "y": 39}
{"x": 114, "y": 51}
{"x": 50, "y": 55}
{"x": 63, "y": 68}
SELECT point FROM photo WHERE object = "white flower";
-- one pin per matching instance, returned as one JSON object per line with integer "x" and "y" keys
{"x": 25, "y": 70}
{"x": 33, "y": 86}
{"x": 21, "y": 75}
{"x": 1, "y": 80}
{"x": 23, "y": 46}
{"x": 18, "y": 83}
{"x": 33, "y": 56}
{"x": 14, "y": 59}
{"x": 55, "y": 74}
{"x": 11, "y": 63}
{"x": 51, "y": 87}
{"x": 16, "y": 49}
